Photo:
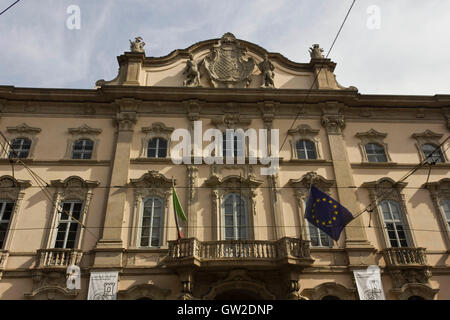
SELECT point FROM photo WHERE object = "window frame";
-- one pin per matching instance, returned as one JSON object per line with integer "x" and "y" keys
{"x": 70, "y": 221}
{"x": 376, "y": 155}
{"x": 395, "y": 222}
{"x": 82, "y": 151}
{"x": 237, "y": 228}
{"x": 373, "y": 137}
{"x": 22, "y": 131}
{"x": 305, "y": 132}
{"x": 428, "y": 137}
{"x": 158, "y": 139}
{"x": 3, "y": 203}
{"x": 434, "y": 153}
{"x": 161, "y": 226}
{"x": 306, "y": 149}
{"x": 156, "y": 130}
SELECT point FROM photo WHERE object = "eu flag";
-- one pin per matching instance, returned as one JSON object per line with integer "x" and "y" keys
{"x": 326, "y": 213}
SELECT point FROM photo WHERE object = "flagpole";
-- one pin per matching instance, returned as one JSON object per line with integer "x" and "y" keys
{"x": 174, "y": 211}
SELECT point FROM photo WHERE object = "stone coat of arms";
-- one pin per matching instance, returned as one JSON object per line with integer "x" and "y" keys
{"x": 227, "y": 65}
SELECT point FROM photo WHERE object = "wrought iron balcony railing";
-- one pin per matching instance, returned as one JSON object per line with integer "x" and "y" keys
{"x": 405, "y": 257}
{"x": 57, "y": 258}
{"x": 239, "y": 250}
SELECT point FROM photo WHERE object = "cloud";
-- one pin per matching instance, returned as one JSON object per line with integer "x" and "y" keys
{"x": 407, "y": 55}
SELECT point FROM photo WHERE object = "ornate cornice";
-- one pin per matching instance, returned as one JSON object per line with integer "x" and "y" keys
{"x": 85, "y": 129}
{"x": 23, "y": 128}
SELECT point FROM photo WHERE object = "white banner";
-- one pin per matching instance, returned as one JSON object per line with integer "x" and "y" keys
{"x": 369, "y": 283}
{"x": 103, "y": 285}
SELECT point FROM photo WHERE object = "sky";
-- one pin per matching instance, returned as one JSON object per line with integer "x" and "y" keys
{"x": 399, "y": 47}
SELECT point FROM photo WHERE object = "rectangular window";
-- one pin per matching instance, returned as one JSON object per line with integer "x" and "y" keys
{"x": 151, "y": 223}
{"x": 6, "y": 209}
{"x": 394, "y": 224}
{"x": 67, "y": 229}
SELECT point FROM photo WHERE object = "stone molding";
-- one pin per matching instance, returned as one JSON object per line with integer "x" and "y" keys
{"x": 372, "y": 136}
{"x": 22, "y": 131}
{"x": 305, "y": 132}
{"x": 72, "y": 188}
{"x": 149, "y": 184}
{"x": 82, "y": 132}
{"x": 426, "y": 137}
{"x": 387, "y": 189}
{"x": 144, "y": 290}
{"x": 232, "y": 184}
{"x": 415, "y": 289}
{"x": 330, "y": 289}
{"x": 301, "y": 188}
{"x": 156, "y": 130}
{"x": 439, "y": 191}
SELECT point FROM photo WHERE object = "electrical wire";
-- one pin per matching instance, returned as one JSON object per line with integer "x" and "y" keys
{"x": 9, "y": 7}
{"x": 317, "y": 74}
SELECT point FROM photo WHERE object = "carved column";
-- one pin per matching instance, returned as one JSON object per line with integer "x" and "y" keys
{"x": 356, "y": 237}
{"x": 112, "y": 233}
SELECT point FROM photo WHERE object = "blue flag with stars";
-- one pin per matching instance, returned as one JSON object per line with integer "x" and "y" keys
{"x": 326, "y": 213}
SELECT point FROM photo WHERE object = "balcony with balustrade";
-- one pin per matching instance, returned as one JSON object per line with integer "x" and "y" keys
{"x": 405, "y": 257}
{"x": 57, "y": 258}
{"x": 245, "y": 253}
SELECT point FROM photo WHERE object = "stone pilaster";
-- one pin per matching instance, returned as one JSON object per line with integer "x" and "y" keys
{"x": 277, "y": 211}
{"x": 192, "y": 199}
{"x": 110, "y": 247}
{"x": 358, "y": 247}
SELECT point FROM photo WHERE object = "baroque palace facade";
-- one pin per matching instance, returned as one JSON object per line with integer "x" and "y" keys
{"x": 105, "y": 157}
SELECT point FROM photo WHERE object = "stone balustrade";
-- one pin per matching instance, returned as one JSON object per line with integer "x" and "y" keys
{"x": 242, "y": 250}
{"x": 405, "y": 256}
{"x": 54, "y": 258}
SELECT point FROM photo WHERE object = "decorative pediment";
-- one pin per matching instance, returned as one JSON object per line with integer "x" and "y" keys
{"x": 303, "y": 130}
{"x": 144, "y": 290}
{"x": 85, "y": 130}
{"x": 158, "y": 128}
{"x": 10, "y": 188}
{"x": 232, "y": 182}
{"x": 384, "y": 188}
{"x": 427, "y": 135}
{"x": 227, "y": 65}
{"x": 23, "y": 128}
{"x": 74, "y": 187}
{"x": 311, "y": 178}
{"x": 371, "y": 134}
{"x": 440, "y": 188}
{"x": 152, "y": 183}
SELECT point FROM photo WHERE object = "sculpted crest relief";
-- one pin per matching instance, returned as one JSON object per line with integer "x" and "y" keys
{"x": 227, "y": 65}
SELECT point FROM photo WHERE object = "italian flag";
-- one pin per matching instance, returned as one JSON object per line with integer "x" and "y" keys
{"x": 178, "y": 210}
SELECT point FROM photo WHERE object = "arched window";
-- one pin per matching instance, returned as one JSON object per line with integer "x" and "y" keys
{"x": 152, "y": 222}
{"x": 394, "y": 224}
{"x": 235, "y": 218}
{"x": 375, "y": 153}
{"x": 6, "y": 209}
{"x": 437, "y": 155}
{"x": 157, "y": 148}
{"x": 20, "y": 148}
{"x": 68, "y": 227}
{"x": 306, "y": 150}
{"x": 82, "y": 149}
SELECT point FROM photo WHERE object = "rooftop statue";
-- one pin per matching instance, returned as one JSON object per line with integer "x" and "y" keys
{"x": 316, "y": 52}
{"x": 137, "y": 45}
{"x": 267, "y": 68}
{"x": 192, "y": 73}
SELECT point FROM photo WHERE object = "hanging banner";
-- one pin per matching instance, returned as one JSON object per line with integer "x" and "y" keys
{"x": 103, "y": 285}
{"x": 369, "y": 283}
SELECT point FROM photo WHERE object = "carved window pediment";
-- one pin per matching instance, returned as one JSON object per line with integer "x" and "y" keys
{"x": 150, "y": 185}
{"x": 82, "y": 133}
{"x": 71, "y": 189}
{"x": 23, "y": 131}
{"x": 156, "y": 130}
{"x": 373, "y": 137}
{"x": 425, "y": 138}
{"x": 305, "y": 132}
